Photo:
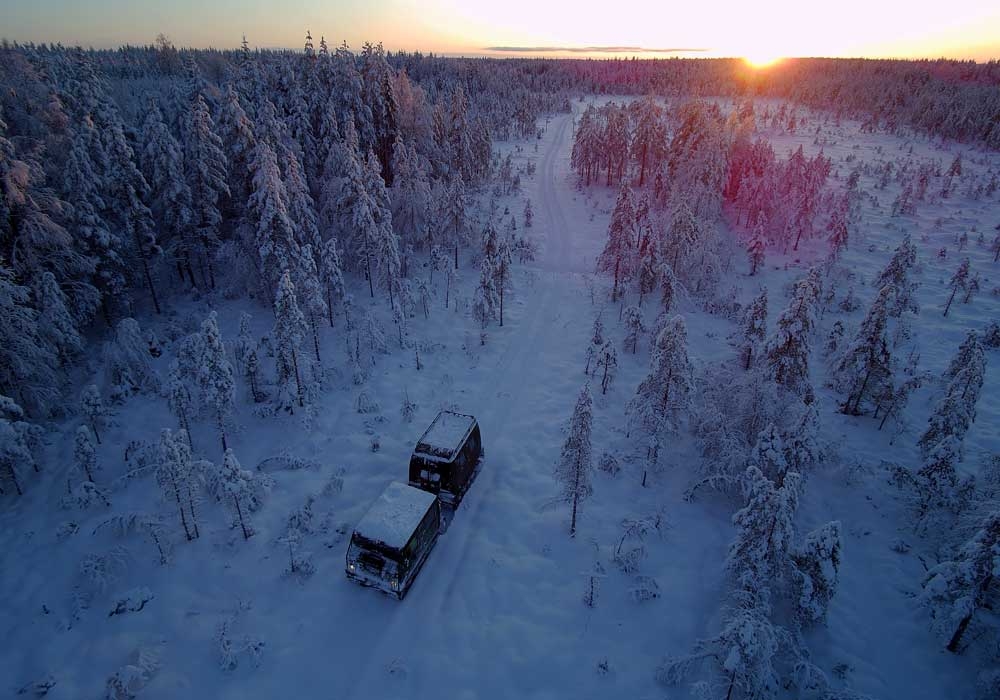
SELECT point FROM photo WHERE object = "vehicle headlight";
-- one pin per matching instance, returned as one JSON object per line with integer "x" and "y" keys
{"x": 351, "y": 567}
{"x": 395, "y": 584}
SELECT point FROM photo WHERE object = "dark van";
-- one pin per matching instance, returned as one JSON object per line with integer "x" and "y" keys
{"x": 394, "y": 538}
{"x": 445, "y": 459}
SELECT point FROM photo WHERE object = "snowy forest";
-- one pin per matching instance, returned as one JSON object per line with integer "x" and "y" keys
{"x": 727, "y": 333}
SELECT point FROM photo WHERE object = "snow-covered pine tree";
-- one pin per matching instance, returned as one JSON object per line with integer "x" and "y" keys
{"x": 179, "y": 398}
{"x": 215, "y": 376}
{"x": 816, "y": 573}
{"x": 453, "y": 214}
{"x": 272, "y": 233}
{"x": 606, "y": 365}
{"x": 753, "y": 330}
{"x": 289, "y": 329}
{"x": 175, "y": 476}
{"x": 864, "y": 370}
{"x": 575, "y": 463}
{"x": 238, "y": 486}
{"x": 956, "y": 590}
{"x": 958, "y": 281}
{"x": 940, "y": 490}
{"x": 529, "y": 214}
{"x": 92, "y": 407}
{"x": 84, "y": 455}
{"x": 663, "y": 395}
{"x": 617, "y": 257}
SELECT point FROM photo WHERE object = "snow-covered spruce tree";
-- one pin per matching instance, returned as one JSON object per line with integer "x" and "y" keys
{"x": 126, "y": 190}
{"x": 765, "y": 532}
{"x": 206, "y": 168}
{"x": 606, "y": 365}
{"x": 956, "y": 411}
{"x": 684, "y": 233}
{"x": 501, "y": 267}
{"x": 272, "y": 239}
{"x": 768, "y": 454}
{"x": 313, "y": 296}
{"x": 663, "y": 395}
{"x": 170, "y": 201}
{"x": 753, "y": 330}
{"x": 55, "y": 322}
{"x": 179, "y": 398}
{"x": 575, "y": 462}
{"x": 956, "y": 590}
{"x": 453, "y": 213}
{"x": 756, "y": 247}
{"x": 18, "y": 440}
{"x": 238, "y": 486}
{"x": 485, "y": 299}
{"x": 742, "y": 655}
{"x": 897, "y": 276}
{"x": 958, "y": 281}
{"x": 27, "y": 363}
{"x": 816, "y": 572}
{"x": 970, "y": 352}
{"x": 648, "y": 275}
{"x": 84, "y": 455}
{"x": 596, "y": 342}
{"x": 632, "y": 319}
{"x": 92, "y": 407}
{"x": 176, "y": 477}
{"x": 529, "y": 214}
{"x": 244, "y": 344}
{"x": 864, "y": 370}
{"x": 617, "y": 257}
{"x": 787, "y": 351}
{"x": 332, "y": 278}
{"x": 215, "y": 376}
{"x": 236, "y": 131}
{"x": 941, "y": 492}
{"x": 289, "y": 329}
{"x": 127, "y": 361}
{"x": 800, "y": 439}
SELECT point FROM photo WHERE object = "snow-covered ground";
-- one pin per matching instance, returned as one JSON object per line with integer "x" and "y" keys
{"x": 497, "y": 610}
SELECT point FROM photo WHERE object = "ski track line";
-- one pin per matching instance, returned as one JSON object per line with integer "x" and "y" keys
{"x": 435, "y": 586}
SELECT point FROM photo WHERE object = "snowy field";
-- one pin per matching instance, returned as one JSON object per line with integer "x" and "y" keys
{"x": 498, "y": 611}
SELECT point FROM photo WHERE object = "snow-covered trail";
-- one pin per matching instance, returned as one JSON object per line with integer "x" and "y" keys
{"x": 465, "y": 624}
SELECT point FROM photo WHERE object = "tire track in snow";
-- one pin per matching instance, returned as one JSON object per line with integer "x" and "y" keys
{"x": 436, "y": 585}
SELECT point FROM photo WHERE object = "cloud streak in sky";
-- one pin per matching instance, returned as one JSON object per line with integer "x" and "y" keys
{"x": 586, "y": 49}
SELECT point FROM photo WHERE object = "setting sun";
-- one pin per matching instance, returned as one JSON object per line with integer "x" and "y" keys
{"x": 761, "y": 60}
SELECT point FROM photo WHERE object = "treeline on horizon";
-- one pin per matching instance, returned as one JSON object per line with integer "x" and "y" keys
{"x": 948, "y": 98}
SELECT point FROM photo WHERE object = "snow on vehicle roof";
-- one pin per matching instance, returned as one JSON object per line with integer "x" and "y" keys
{"x": 446, "y": 434}
{"x": 395, "y": 514}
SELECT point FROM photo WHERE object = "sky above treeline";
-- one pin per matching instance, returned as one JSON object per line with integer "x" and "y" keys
{"x": 760, "y": 30}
